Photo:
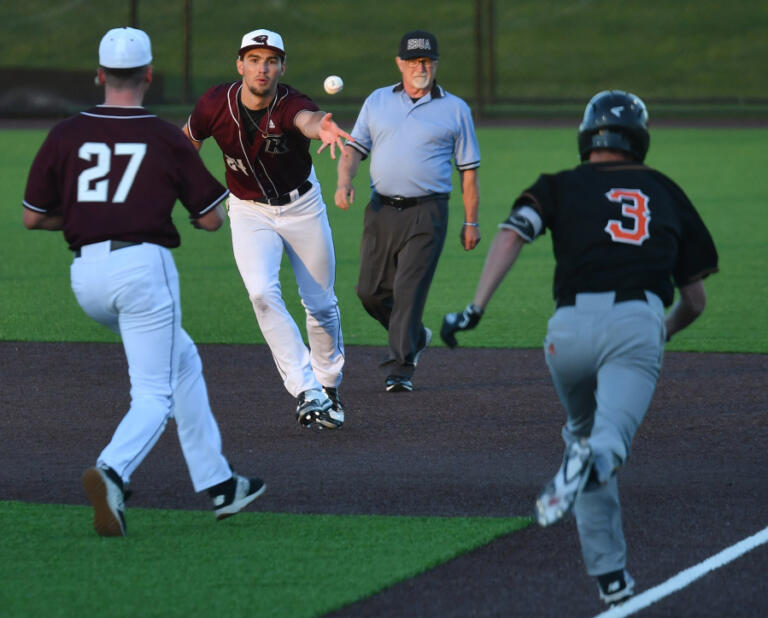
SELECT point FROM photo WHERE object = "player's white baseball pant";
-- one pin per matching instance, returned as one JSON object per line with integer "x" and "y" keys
{"x": 260, "y": 235}
{"x": 605, "y": 359}
{"x": 134, "y": 291}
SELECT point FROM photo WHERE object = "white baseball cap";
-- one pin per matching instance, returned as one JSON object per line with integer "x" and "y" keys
{"x": 125, "y": 48}
{"x": 262, "y": 38}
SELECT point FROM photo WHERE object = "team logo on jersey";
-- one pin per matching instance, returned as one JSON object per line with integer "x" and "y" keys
{"x": 236, "y": 165}
{"x": 276, "y": 144}
{"x": 634, "y": 206}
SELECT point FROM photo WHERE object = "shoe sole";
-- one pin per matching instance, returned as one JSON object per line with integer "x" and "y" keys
{"x": 105, "y": 522}
{"x": 236, "y": 507}
{"x": 399, "y": 388}
{"x": 328, "y": 422}
{"x": 307, "y": 418}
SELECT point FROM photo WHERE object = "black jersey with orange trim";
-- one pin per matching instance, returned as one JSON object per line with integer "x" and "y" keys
{"x": 621, "y": 225}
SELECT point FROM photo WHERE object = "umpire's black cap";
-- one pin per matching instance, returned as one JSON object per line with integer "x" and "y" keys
{"x": 418, "y": 44}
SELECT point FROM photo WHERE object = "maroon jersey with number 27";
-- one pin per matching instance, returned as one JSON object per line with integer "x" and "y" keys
{"x": 115, "y": 173}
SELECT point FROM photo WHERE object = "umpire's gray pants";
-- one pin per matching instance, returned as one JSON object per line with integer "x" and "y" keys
{"x": 399, "y": 252}
{"x": 605, "y": 359}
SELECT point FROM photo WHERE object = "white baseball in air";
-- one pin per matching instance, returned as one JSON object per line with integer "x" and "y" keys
{"x": 333, "y": 84}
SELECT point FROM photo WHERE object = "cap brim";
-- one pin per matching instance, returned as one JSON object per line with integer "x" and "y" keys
{"x": 412, "y": 55}
{"x": 247, "y": 48}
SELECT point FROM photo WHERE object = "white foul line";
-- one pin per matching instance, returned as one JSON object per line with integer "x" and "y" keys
{"x": 682, "y": 579}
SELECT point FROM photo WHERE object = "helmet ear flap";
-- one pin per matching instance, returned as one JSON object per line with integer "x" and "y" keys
{"x": 616, "y": 120}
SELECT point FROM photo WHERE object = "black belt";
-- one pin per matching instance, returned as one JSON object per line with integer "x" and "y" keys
{"x": 114, "y": 245}
{"x": 623, "y": 295}
{"x": 286, "y": 198}
{"x": 406, "y": 202}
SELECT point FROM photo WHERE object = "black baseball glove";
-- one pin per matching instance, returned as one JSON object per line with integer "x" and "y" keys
{"x": 454, "y": 322}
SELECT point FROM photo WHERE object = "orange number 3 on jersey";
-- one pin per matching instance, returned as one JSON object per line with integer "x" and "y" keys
{"x": 634, "y": 205}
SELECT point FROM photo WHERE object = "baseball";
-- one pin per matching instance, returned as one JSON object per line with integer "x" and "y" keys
{"x": 333, "y": 84}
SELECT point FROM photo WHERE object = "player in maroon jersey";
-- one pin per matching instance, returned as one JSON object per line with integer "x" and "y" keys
{"x": 264, "y": 128}
{"x": 109, "y": 178}
{"x": 624, "y": 236}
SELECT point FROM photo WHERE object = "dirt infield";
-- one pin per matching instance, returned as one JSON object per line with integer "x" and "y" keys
{"x": 479, "y": 436}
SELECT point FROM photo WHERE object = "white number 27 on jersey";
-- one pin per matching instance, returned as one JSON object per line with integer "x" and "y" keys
{"x": 92, "y": 186}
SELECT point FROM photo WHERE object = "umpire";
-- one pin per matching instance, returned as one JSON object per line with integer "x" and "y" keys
{"x": 624, "y": 236}
{"x": 411, "y": 130}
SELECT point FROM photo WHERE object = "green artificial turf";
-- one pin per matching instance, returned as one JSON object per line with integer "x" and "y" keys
{"x": 184, "y": 563}
{"x": 722, "y": 170}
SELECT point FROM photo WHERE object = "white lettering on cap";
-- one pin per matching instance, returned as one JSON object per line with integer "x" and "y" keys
{"x": 419, "y": 44}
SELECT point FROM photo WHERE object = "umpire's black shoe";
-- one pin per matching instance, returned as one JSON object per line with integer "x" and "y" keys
{"x": 615, "y": 587}
{"x": 233, "y": 495}
{"x": 398, "y": 384}
{"x": 105, "y": 491}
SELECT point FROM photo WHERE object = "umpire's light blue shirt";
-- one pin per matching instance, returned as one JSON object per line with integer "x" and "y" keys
{"x": 411, "y": 144}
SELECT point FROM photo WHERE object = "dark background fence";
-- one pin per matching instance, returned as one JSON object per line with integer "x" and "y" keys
{"x": 506, "y": 58}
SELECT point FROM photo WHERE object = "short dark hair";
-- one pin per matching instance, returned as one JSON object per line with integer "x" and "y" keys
{"x": 125, "y": 78}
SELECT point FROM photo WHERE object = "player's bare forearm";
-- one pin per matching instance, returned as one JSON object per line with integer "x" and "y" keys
{"x": 501, "y": 257}
{"x": 212, "y": 220}
{"x": 693, "y": 299}
{"x": 42, "y": 220}
{"x": 320, "y": 125}
{"x": 349, "y": 161}
{"x": 470, "y": 193}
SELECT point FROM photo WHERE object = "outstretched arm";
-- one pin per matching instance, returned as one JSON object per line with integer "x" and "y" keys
{"x": 501, "y": 257}
{"x": 346, "y": 170}
{"x": 319, "y": 125}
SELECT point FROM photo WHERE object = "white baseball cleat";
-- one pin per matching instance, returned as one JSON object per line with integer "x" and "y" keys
{"x": 559, "y": 496}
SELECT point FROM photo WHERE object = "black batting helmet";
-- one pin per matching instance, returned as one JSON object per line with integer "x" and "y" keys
{"x": 615, "y": 119}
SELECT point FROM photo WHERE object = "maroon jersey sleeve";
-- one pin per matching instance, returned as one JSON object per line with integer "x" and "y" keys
{"x": 292, "y": 105}
{"x": 198, "y": 190}
{"x": 200, "y": 120}
{"x": 42, "y": 192}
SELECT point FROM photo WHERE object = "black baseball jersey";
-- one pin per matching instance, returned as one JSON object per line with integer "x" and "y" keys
{"x": 115, "y": 173}
{"x": 620, "y": 225}
{"x": 276, "y": 161}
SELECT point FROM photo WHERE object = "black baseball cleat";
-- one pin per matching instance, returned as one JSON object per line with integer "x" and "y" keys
{"x": 233, "y": 495}
{"x": 398, "y": 384}
{"x": 615, "y": 587}
{"x": 316, "y": 409}
{"x": 334, "y": 417}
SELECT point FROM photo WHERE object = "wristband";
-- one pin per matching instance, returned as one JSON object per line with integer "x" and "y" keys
{"x": 471, "y": 224}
